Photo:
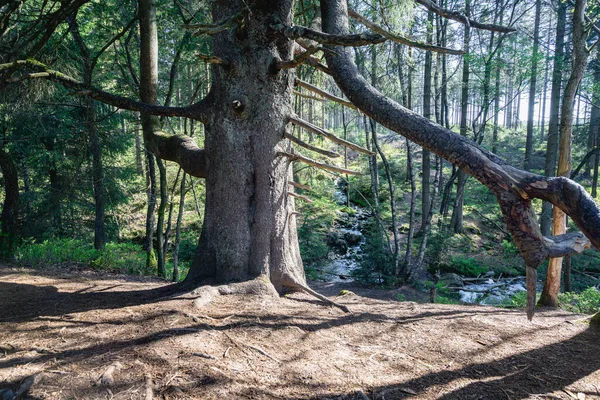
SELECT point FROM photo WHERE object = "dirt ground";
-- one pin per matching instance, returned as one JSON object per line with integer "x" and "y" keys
{"x": 93, "y": 336}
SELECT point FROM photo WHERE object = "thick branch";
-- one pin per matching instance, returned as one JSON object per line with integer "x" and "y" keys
{"x": 196, "y": 111}
{"x": 315, "y": 129}
{"x": 180, "y": 149}
{"x": 296, "y": 32}
{"x": 308, "y": 161}
{"x": 400, "y": 39}
{"x": 513, "y": 188}
{"x": 460, "y": 17}
{"x": 567, "y": 245}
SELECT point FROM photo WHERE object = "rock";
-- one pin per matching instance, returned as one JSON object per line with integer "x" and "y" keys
{"x": 489, "y": 274}
{"x": 451, "y": 279}
{"x": 6, "y": 394}
{"x": 336, "y": 243}
{"x": 352, "y": 238}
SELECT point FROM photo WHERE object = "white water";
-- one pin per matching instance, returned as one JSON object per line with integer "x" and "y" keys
{"x": 341, "y": 266}
{"x": 492, "y": 292}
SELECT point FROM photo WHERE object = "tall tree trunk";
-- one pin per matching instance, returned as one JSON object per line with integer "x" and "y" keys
{"x": 456, "y": 222}
{"x": 160, "y": 223}
{"x": 92, "y": 130}
{"x": 594, "y": 129}
{"x": 151, "y": 261}
{"x": 579, "y": 62}
{"x": 249, "y": 226}
{"x": 532, "y": 87}
{"x": 426, "y": 155}
{"x": 10, "y": 206}
{"x": 178, "y": 229}
{"x": 545, "y": 89}
{"x": 552, "y": 145}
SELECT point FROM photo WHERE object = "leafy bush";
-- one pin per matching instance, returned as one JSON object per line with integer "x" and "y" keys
{"x": 586, "y": 302}
{"x": 466, "y": 266}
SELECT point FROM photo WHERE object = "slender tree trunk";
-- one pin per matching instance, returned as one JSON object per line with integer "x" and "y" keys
{"x": 10, "y": 206}
{"x": 579, "y": 62}
{"x": 178, "y": 229}
{"x": 92, "y": 130}
{"x": 456, "y": 222}
{"x": 160, "y": 250}
{"x": 411, "y": 212}
{"x": 594, "y": 129}
{"x": 545, "y": 89}
{"x": 532, "y": 87}
{"x": 426, "y": 155}
{"x": 552, "y": 146}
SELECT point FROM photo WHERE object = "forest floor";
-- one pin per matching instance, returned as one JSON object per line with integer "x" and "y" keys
{"x": 89, "y": 335}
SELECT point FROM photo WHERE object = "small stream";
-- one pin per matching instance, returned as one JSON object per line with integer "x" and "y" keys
{"x": 346, "y": 241}
{"x": 492, "y": 292}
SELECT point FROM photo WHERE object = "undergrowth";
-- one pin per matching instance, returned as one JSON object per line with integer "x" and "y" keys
{"x": 123, "y": 257}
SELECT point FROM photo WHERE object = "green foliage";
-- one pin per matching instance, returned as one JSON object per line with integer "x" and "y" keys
{"x": 377, "y": 262}
{"x": 122, "y": 257}
{"x": 586, "y": 302}
{"x": 466, "y": 266}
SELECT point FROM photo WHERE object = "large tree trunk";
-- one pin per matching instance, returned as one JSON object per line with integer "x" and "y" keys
{"x": 249, "y": 229}
{"x": 552, "y": 287}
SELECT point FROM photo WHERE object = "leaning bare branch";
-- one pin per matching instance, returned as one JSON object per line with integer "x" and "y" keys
{"x": 298, "y": 60}
{"x": 315, "y": 129}
{"x": 307, "y": 96}
{"x": 325, "y": 94}
{"x": 400, "y": 39}
{"x": 313, "y": 163}
{"x": 299, "y": 196}
{"x": 460, "y": 17}
{"x": 299, "y": 185}
{"x": 212, "y": 60}
{"x": 302, "y": 143}
{"x": 513, "y": 188}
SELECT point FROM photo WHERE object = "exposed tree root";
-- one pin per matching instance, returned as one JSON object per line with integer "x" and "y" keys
{"x": 295, "y": 285}
{"x": 260, "y": 286}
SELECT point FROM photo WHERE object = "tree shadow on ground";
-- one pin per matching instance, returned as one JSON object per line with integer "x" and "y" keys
{"x": 535, "y": 372}
{"x": 25, "y": 302}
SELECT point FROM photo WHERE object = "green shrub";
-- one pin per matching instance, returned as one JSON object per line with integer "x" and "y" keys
{"x": 124, "y": 257}
{"x": 466, "y": 266}
{"x": 586, "y": 302}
